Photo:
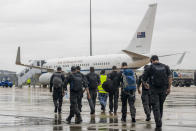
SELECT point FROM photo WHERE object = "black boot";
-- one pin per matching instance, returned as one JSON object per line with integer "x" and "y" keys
{"x": 68, "y": 120}
{"x": 133, "y": 120}
{"x": 78, "y": 120}
{"x": 123, "y": 119}
{"x": 148, "y": 118}
{"x": 159, "y": 124}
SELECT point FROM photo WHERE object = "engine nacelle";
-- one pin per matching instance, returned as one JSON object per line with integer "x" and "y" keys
{"x": 44, "y": 79}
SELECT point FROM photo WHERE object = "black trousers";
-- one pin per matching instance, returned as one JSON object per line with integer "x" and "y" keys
{"x": 79, "y": 100}
{"x": 157, "y": 101}
{"x": 113, "y": 100}
{"x": 58, "y": 98}
{"x": 146, "y": 102}
{"x": 74, "y": 110}
{"x": 128, "y": 96}
{"x": 92, "y": 101}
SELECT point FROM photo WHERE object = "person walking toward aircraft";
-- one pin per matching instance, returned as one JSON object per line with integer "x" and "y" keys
{"x": 115, "y": 76}
{"x": 93, "y": 82}
{"x": 128, "y": 92}
{"x": 103, "y": 95}
{"x": 76, "y": 83}
{"x": 85, "y": 85}
{"x": 57, "y": 82}
{"x": 160, "y": 80}
{"x": 145, "y": 96}
{"x": 29, "y": 82}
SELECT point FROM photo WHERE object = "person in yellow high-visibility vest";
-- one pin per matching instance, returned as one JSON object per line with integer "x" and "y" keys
{"x": 29, "y": 82}
{"x": 103, "y": 95}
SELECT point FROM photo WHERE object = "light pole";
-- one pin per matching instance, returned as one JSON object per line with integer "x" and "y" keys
{"x": 90, "y": 32}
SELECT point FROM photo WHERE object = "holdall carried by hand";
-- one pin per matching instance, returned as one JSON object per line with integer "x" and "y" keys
{"x": 107, "y": 85}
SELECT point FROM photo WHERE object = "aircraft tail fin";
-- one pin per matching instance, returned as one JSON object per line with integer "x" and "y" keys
{"x": 18, "y": 62}
{"x": 141, "y": 42}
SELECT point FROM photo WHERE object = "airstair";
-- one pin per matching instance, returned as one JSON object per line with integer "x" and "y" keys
{"x": 31, "y": 73}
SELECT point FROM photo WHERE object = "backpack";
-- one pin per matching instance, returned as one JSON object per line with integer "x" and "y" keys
{"x": 77, "y": 82}
{"x": 159, "y": 76}
{"x": 107, "y": 85}
{"x": 57, "y": 80}
{"x": 93, "y": 81}
{"x": 129, "y": 82}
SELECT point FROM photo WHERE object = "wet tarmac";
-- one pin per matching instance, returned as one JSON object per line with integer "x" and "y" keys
{"x": 31, "y": 109}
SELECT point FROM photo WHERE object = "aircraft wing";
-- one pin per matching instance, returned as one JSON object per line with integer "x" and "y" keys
{"x": 179, "y": 60}
{"x": 18, "y": 62}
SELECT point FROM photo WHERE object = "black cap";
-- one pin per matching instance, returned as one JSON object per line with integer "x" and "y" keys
{"x": 92, "y": 69}
{"x": 124, "y": 64}
{"x": 59, "y": 68}
{"x": 154, "y": 57}
{"x": 102, "y": 72}
{"x": 114, "y": 67}
{"x": 73, "y": 68}
{"x": 78, "y": 68}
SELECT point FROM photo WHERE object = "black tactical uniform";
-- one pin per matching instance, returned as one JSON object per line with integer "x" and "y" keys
{"x": 145, "y": 98}
{"x": 75, "y": 81}
{"x": 158, "y": 75}
{"x": 114, "y": 93}
{"x": 58, "y": 91}
{"x": 85, "y": 85}
{"x": 93, "y": 82}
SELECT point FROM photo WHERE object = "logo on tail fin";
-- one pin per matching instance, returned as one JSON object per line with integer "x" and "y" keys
{"x": 141, "y": 34}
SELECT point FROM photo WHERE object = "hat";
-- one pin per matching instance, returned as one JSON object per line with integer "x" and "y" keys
{"x": 124, "y": 64}
{"x": 78, "y": 68}
{"x": 59, "y": 68}
{"x": 73, "y": 68}
{"x": 154, "y": 57}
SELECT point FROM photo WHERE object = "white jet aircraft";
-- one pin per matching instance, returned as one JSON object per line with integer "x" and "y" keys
{"x": 136, "y": 54}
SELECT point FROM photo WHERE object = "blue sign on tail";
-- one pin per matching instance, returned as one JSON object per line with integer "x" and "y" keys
{"x": 141, "y": 34}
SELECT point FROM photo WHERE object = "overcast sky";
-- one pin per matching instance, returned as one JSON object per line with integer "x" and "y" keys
{"x": 48, "y": 29}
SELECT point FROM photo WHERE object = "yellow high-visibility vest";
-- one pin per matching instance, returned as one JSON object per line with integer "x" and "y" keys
{"x": 29, "y": 81}
{"x": 103, "y": 78}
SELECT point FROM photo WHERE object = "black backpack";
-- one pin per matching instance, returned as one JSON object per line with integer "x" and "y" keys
{"x": 57, "y": 80}
{"x": 93, "y": 80}
{"x": 77, "y": 82}
{"x": 159, "y": 76}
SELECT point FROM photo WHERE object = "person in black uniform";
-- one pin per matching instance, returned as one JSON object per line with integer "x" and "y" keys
{"x": 93, "y": 82}
{"x": 85, "y": 84}
{"x": 57, "y": 82}
{"x": 145, "y": 96}
{"x": 160, "y": 80}
{"x": 75, "y": 80}
{"x": 115, "y": 76}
